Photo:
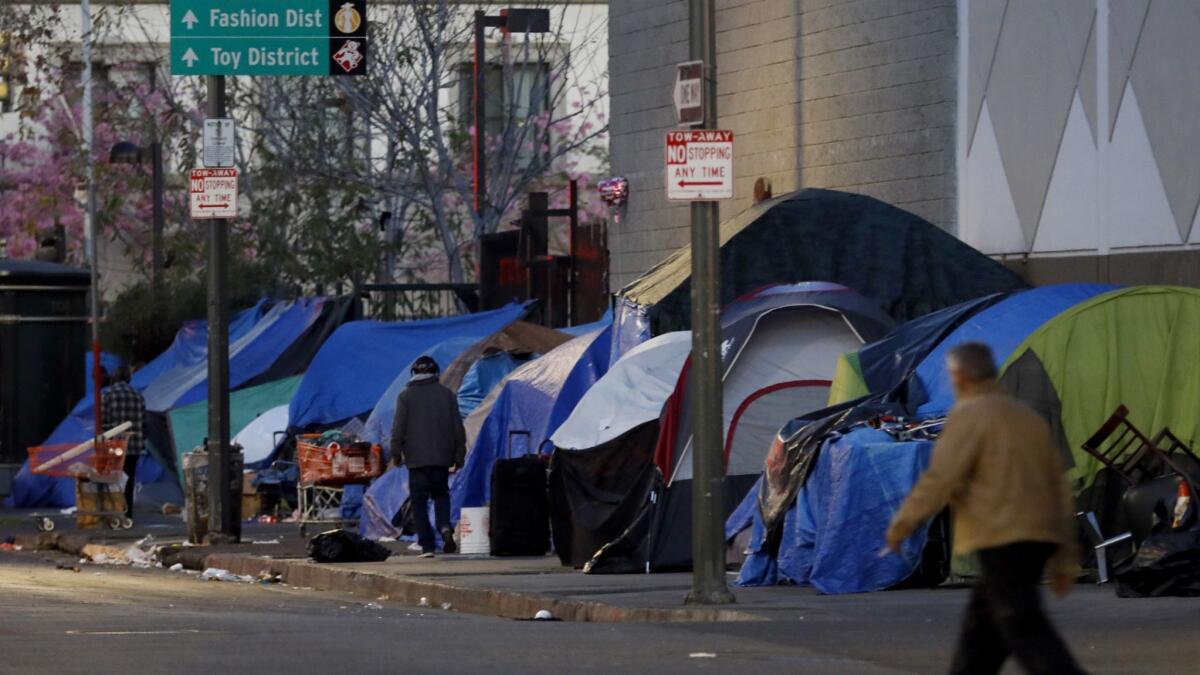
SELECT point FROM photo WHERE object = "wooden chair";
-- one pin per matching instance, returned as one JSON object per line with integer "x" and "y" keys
{"x": 1119, "y": 445}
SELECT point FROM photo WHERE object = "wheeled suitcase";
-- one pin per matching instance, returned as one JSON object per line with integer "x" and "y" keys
{"x": 519, "y": 510}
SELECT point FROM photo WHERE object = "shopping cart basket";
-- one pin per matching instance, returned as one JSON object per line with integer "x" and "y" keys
{"x": 97, "y": 468}
{"x": 325, "y": 471}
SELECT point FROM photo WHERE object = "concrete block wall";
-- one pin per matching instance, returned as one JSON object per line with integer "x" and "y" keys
{"x": 848, "y": 94}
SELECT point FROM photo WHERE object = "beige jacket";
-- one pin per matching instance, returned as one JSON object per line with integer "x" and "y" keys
{"x": 998, "y": 467}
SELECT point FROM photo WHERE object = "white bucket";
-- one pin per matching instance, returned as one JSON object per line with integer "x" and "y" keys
{"x": 473, "y": 531}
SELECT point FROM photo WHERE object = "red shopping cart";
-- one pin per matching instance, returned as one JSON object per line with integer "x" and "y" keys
{"x": 326, "y": 468}
{"x": 97, "y": 468}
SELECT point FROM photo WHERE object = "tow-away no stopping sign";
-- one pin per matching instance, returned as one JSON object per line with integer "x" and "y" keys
{"x": 699, "y": 165}
{"x": 214, "y": 193}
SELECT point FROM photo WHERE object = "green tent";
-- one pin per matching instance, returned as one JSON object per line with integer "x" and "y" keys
{"x": 1137, "y": 346}
{"x": 189, "y": 424}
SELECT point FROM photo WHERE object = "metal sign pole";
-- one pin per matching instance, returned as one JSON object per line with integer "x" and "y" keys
{"x": 708, "y": 457}
{"x": 223, "y": 516}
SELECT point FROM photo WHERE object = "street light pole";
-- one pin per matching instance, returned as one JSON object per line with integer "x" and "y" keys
{"x": 708, "y": 457}
{"x": 512, "y": 21}
{"x": 91, "y": 232}
{"x": 223, "y": 515}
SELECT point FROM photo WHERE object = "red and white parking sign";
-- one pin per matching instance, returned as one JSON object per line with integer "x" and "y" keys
{"x": 213, "y": 193}
{"x": 699, "y": 165}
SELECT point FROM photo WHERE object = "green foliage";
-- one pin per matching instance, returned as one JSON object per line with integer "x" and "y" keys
{"x": 140, "y": 323}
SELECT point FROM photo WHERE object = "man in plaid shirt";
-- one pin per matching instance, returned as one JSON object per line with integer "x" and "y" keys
{"x": 122, "y": 403}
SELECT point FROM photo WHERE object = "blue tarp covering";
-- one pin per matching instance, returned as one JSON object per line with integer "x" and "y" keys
{"x": 358, "y": 363}
{"x": 584, "y": 329}
{"x": 483, "y": 376}
{"x": 381, "y": 503}
{"x": 177, "y": 377}
{"x": 833, "y": 532}
{"x": 1002, "y": 327}
{"x": 379, "y": 423}
{"x": 537, "y": 397}
{"x": 250, "y": 353}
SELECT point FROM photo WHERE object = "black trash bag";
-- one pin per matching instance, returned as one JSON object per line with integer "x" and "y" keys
{"x": 341, "y": 546}
{"x": 1168, "y": 563}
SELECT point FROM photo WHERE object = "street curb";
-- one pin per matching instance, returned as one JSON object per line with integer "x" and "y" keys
{"x": 484, "y": 601}
{"x": 333, "y": 577}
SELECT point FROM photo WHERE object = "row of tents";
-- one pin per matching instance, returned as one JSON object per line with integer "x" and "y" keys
{"x": 838, "y": 309}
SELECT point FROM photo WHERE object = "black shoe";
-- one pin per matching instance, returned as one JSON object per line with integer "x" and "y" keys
{"x": 448, "y": 545}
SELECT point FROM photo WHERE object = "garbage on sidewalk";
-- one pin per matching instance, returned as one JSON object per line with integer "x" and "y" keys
{"x": 343, "y": 546}
{"x": 218, "y": 574}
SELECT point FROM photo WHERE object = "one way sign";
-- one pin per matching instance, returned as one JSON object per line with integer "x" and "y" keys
{"x": 699, "y": 165}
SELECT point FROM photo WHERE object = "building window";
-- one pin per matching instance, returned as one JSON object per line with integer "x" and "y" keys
{"x": 513, "y": 95}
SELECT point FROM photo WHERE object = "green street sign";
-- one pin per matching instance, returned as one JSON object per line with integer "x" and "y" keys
{"x": 269, "y": 37}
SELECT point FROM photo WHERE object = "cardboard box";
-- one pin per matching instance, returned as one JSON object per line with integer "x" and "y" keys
{"x": 251, "y": 506}
{"x": 97, "y": 498}
{"x": 248, "y": 482}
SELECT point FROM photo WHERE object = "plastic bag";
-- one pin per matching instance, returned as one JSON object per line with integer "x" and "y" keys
{"x": 1168, "y": 563}
{"x": 341, "y": 546}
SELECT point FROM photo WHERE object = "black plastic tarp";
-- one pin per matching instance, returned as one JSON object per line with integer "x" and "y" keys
{"x": 910, "y": 266}
{"x": 597, "y": 494}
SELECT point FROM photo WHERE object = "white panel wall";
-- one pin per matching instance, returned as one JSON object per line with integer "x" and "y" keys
{"x": 1117, "y": 169}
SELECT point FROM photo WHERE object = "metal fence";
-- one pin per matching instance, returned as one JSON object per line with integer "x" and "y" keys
{"x": 411, "y": 302}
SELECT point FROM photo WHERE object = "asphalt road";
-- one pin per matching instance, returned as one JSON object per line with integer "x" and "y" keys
{"x": 119, "y": 620}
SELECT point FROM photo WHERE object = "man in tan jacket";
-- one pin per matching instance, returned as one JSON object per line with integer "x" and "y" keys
{"x": 999, "y": 469}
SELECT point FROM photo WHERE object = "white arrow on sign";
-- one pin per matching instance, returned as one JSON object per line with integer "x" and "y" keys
{"x": 688, "y": 94}
{"x": 190, "y": 57}
{"x": 190, "y": 19}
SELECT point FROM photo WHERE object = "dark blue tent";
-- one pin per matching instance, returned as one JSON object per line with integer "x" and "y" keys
{"x": 1002, "y": 327}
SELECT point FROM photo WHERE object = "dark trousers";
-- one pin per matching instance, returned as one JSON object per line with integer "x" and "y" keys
{"x": 1004, "y": 616}
{"x": 424, "y": 483}
{"x": 131, "y": 462}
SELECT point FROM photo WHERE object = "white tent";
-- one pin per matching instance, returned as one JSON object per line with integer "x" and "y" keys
{"x": 631, "y": 393}
{"x": 258, "y": 438}
{"x": 784, "y": 366}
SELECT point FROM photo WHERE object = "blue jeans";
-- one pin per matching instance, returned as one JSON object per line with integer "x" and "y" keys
{"x": 425, "y": 483}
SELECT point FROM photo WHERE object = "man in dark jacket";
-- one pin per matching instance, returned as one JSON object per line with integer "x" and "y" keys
{"x": 121, "y": 403}
{"x": 428, "y": 437}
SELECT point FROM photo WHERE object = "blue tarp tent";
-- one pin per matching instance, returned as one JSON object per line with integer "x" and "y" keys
{"x": 537, "y": 397}
{"x": 483, "y": 376}
{"x": 1002, "y": 327}
{"x": 835, "y": 528}
{"x": 362, "y": 359}
{"x": 178, "y": 376}
{"x": 379, "y": 423}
